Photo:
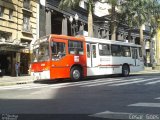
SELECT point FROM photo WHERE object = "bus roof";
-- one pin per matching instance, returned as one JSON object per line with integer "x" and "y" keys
{"x": 98, "y": 40}
{"x": 81, "y": 38}
{"x": 90, "y": 40}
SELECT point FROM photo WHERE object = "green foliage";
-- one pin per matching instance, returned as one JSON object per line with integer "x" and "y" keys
{"x": 138, "y": 12}
{"x": 64, "y": 4}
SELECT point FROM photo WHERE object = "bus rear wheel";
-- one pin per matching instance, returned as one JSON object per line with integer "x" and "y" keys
{"x": 125, "y": 70}
{"x": 76, "y": 73}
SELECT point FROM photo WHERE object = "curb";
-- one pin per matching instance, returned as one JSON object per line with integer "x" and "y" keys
{"x": 15, "y": 83}
{"x": 147, "y": 72}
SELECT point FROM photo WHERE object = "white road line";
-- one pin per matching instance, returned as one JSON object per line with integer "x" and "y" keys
{"x": 61, "y": 85}
{"x": 137, "y": 81}
{"x": 118, "y": 81}
{"x": 80, "y": 83}
{"x": 145, "y": 104}
{"x": 154, "y": 82}
{"x": 90, "y": 83}
{"x": 157, "y": 98}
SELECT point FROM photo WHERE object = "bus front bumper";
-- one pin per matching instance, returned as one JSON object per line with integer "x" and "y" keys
{"x": 40, "y": 75}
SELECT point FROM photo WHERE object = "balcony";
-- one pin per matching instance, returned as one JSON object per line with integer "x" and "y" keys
{"x": 27, "y": 7}
{"x": 27, "y": 29}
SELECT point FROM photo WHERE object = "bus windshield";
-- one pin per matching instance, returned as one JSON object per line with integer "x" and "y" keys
{"x": 41, "y": 52}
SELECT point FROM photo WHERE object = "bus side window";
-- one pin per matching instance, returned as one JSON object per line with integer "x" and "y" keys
{"x": 75, "y": 47}
{"x": 58, "y": 50}
{"x": 115, "y": 50}
{"x": 104, "y": 50}
{"x": 126, "y": 51}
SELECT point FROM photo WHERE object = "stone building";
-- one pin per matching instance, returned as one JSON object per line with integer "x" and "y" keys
{"x": 18, "y": 27}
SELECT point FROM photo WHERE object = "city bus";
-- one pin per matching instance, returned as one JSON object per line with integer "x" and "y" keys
{"x": 61, "y": 56}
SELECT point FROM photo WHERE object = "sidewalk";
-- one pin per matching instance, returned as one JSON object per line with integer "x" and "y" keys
{"x": 8, "y": 80}
{"x": 147, "y": 70}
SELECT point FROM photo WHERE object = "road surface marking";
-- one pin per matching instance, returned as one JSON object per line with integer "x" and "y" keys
{"x": 126, "y": 116}
{"x": 118, "y": 81}
{"x": 145, "y": 104}
{"x": 154, "y": 82}
{"x": 133, "y": 82}
{"x": 157, "y": 98}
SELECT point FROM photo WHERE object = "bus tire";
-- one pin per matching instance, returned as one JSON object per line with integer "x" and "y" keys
{"x": 125, "y": 70}
{"x": 76, "y": 73}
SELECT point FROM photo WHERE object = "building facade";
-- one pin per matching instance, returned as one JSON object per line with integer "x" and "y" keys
{"x": 18, "y": 27}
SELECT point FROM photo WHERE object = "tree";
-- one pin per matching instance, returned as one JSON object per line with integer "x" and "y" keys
{"x": 73, "y": 3}
{"x": 139, "y": 12}
{"x": 114, "y": 4}
{"x": 127, "y": 14}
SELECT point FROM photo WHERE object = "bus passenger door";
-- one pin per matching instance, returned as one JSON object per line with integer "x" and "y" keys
{"x": 135, "y": 56}
{"x": 88, "y": 55}
{"x": 91, "y": 55}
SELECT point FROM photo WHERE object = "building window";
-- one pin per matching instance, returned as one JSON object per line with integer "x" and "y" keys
{"x": 5, "y": 36}
{"x": 26, "y": 25}
{"x": 1, "y": 11}
{"x": 26, "y": 4}
{"x": 10, "y": 14}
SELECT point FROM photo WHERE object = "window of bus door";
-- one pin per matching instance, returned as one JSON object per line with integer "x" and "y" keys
{"x": 140, "y": 52}
{"x": 134, "y": 53}
{"x": 94, "y": 51}
{"x": 58, "y": 50}
{"x": 135, "y": 56}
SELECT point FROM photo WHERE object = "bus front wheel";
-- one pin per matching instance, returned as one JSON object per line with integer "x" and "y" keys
{"x": 125, "y": 70}
{"x": 76, "y": 73}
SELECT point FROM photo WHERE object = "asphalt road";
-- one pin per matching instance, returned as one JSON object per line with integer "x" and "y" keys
{"x": 136, "y": 97}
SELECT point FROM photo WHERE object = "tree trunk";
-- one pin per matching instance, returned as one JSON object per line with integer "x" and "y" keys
{"x": 158, "y": 49}
{"x": 113, "y": 23}
{"x": 90, "y": 22}
{"x": 142, "y": 43}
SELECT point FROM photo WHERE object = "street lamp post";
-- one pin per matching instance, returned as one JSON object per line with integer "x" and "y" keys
{"x": 71, "y": 20}
{"x": 76, "y": 17}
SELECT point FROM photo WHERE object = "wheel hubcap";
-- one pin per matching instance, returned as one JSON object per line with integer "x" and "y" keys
{"x": 76, "y": 74}
{"x": 126, "y": 72}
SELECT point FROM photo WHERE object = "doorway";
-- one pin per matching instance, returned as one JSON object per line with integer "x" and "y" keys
{"x": 6, "y": 62}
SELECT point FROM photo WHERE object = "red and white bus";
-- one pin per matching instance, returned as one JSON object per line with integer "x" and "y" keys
{"x": 60, "y": 56}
